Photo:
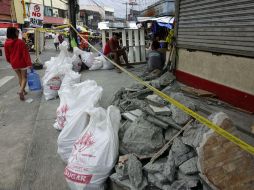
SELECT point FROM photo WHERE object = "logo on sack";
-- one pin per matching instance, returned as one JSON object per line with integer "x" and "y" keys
{"x": 54, "y": 83}
{"x": 78, "y": 178}
{"x": 86, "y": 141}
{"x": 61, "y": 116}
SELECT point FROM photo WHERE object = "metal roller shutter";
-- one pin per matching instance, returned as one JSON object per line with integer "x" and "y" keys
{"x": 223, "y": 26}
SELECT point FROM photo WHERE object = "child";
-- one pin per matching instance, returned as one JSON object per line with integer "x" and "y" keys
{"x": 18, "y": 56}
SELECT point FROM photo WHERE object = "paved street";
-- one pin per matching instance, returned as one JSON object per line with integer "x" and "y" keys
{"x": 28, "y": 152}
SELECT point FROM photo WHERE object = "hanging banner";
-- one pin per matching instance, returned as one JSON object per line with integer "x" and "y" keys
{"x": 36, "y": 15}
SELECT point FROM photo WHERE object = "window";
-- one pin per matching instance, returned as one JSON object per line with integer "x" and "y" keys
{"x": 62, "y": 13}
{"x": 48, "y": 11}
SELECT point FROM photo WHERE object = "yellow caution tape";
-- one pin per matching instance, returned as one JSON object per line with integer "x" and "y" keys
{"x": 245, "y": 146}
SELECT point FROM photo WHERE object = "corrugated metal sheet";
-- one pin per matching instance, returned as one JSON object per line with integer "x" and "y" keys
{"x": 223, "y": 26}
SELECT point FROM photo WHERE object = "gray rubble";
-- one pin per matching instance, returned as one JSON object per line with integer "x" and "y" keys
{"x": 151, "y": 122}
{"x": 142, "y": 138}
{"x": 136, "y": 173}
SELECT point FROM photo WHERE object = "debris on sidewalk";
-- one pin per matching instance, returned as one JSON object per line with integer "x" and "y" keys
{"x": 174, "y": 149}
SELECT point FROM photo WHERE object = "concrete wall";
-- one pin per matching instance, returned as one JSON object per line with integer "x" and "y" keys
{"x": 231, "y": 71}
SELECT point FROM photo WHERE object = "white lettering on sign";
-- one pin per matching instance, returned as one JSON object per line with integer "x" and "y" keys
{"x": 36, "y": 15}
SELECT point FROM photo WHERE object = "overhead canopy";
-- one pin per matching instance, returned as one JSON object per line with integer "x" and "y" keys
{"x": 165, "y": 19}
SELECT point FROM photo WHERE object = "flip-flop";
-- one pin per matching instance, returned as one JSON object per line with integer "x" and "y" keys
{"x": 21, "y": 96}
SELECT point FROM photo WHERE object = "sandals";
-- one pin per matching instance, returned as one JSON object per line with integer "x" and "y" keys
{"x": 22, "y": 96}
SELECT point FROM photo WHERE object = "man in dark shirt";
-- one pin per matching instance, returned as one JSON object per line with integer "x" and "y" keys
{"x": 113, "y": 50}
{"x": 155, "y": 58}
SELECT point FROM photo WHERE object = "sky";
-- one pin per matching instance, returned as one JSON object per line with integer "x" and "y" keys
{"x": 120, "y": 8}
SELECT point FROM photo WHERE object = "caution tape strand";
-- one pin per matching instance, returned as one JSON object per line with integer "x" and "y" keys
{"x": 245, "y": 146}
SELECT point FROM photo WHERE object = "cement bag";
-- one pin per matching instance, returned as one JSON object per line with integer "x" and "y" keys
{"x": 72, "y": 117}
{"x": 95, "y": 152}
{"x": 87, "y": 58}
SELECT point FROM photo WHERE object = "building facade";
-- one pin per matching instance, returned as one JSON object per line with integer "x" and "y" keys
{"x": 92, "y": 14}
{"x": 11, "y": 12}
{"x": 55, "y": 12}
{"x": 215, "y": 44}
{"x": 159, "y": 9}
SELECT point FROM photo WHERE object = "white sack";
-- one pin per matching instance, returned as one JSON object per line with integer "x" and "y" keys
{"x": 70, "y": 78}
{"x": 96, "y": 65}
{"x": 57, "y": 67}
{"x": 105, "y": 63}
{"x": 95, "y": 152}
{"x": 87, "y": 58}
{"x": 72, "y": 117}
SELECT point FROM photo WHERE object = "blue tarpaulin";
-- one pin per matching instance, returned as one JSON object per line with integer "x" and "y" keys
{"x": 167, "y": 25}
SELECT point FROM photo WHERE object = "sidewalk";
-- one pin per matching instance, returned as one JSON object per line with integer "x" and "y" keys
{"x": 44, "y": 168}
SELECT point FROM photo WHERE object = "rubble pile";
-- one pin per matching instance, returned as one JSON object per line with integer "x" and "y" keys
{"x": 161, "y": 147}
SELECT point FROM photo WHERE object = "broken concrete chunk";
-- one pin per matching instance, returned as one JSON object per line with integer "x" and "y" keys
{"x": 189, "y": 167}
{"x": 222, "y": 164}
{"x": 173, "y": 87}
{"x": 183, "y": 158}
{"x": 129, "y": 116}
{"x": 166, "y": 78}
{"x": 156, "y": 100}
{"x": 181, "y": 152}
{"x": 156, "y": 167}
{"x": 157, "y": 122}
{"x": 143, "y": 138}
{"x": 178, "y": 115}
{"x": 157, "y": 179}
{"x": 179, "y": 148}
{"x": 135, "y": 173}
{"x": 181, "y": 175}
{"x": 161, "y": 110}
{"x": 122, "y": 171}
{"x": 193, "y": 135}
{"x": 170, "y": 167}
{"x": 184, "y": 184}
{"x": 170, "y": 132}
{"x": 136, "y": 112}
{"x": 123, "y": 183}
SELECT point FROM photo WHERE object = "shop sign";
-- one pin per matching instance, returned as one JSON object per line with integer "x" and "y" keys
{"x": 36, "y": 15}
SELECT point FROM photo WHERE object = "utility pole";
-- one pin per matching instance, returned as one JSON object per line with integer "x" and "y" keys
{"x": 73, "y": 5}
{"x": 126, "y": 3}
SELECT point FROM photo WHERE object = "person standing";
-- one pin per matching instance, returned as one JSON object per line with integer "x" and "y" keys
{"x": 56, "y": 41}
{"x": 18, "y": 56}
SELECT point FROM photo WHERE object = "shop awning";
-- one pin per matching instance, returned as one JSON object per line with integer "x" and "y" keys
{"x": 165, "y": 19}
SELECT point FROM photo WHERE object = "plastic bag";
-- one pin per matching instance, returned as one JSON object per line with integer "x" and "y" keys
{"x": 105, "y": 63}
{"x": 70, "y": 78}
{"x": 95, "y": 152}
{"x": 57, "y": 67}
{"x": 72, "y": 115}
{"x": 87, "y": 58}
{"x": 96, "y": 65}
{"x": 76, "y": 63}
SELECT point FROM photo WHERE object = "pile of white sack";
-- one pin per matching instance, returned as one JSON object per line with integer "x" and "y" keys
{"x": 90, "y": 59}
{"x": 64, "y": 69}
{"x": 88, "y": 141}
{"x": 58, "y": 72}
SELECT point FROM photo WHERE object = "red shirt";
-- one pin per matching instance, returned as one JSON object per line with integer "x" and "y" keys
{"x": 114, "y": 44}
{"x": 17, "y": 54}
